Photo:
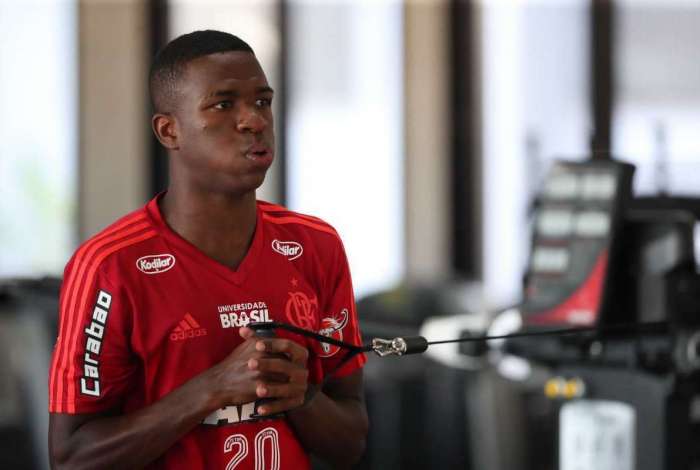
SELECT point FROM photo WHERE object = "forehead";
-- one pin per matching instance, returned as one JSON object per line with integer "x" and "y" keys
{"x": 225, "y": 69}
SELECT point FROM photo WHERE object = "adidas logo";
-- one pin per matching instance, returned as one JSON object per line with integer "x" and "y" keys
{"x": 187, "y": 328}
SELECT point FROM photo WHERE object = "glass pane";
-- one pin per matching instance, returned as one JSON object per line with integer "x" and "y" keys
{"x": 345, "y": 129}
{"x": 656, "y": 119}
{"x": 534, "y": 62}
{"x": 38, "y": 131}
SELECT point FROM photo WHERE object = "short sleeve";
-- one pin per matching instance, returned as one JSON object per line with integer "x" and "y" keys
{"x": 92, "y": 364}
{"x": 339, "y": 318}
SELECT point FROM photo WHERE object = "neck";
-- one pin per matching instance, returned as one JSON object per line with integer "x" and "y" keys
{"x": 220, "y": 225}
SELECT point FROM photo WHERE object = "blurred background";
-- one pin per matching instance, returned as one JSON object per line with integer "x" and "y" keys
{"x": 423, "y": 130}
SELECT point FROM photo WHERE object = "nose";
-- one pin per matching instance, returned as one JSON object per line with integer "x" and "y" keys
{"x": 251, "y": 120}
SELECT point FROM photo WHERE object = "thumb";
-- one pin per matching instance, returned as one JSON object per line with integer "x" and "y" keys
{"x": 246, "y": 332}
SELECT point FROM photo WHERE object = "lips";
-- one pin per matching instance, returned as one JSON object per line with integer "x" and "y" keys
{"x": 258, "y": 151}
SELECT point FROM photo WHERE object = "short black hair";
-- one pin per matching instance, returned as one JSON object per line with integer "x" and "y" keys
{"x": 169, "y": 64}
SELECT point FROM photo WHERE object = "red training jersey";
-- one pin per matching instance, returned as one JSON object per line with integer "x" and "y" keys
{"x": 142, "y": 311}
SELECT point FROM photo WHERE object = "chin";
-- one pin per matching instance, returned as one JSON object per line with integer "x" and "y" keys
{"x": 242, "y": 186}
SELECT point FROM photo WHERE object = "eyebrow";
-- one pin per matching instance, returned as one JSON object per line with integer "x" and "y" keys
{"x": 232, "y": 93}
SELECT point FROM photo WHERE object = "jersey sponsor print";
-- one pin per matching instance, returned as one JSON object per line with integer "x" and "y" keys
{"x": 239, "y": 315}
{"x": 292, "y": 250}
{"x": 90, "y": 381}
{"x": 154, "y": 264}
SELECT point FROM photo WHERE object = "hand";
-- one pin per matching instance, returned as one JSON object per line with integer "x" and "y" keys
{"x": 283, "y": 376}
{"x": 232, "y": 381}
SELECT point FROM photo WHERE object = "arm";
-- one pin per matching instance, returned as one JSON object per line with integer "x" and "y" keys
{"x": 107, "y": 440}
{"x": 334, "y": 423}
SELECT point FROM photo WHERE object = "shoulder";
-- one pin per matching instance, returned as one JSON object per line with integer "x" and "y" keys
{"x": 296, "y": 223}
{"x": 309, "y": 241}
{"x": 104, "y": 248}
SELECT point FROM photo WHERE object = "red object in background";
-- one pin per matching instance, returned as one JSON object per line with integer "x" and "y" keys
{"x": 582, "y": 307}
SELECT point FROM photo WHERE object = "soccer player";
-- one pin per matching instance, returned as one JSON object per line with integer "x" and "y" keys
{"x": 154, "y": 365}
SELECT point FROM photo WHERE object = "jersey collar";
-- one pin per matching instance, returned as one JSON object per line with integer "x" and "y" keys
{"x": 183, "y": 247}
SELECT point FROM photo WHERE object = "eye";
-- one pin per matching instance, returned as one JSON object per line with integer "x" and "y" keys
{"x": 223, "y": 105}
{"x": 263, "y": 102}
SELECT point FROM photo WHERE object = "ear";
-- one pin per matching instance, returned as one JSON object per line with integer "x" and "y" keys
{"x": 165, "y": 129}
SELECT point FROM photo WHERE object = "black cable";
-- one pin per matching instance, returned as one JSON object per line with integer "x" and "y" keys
{"x": 309, "y": 334}
{"x": 625, "y": 328}
{"x": 418, "y": 344}
{"x": 352, "y": 349}
{"x": 422, "y": 343}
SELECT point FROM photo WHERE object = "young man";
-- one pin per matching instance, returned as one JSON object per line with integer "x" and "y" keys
{"x": 154, "y": 365}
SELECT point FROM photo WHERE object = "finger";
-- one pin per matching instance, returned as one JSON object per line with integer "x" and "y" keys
{"x": 276, "y": 365}
{"x": 270, "y": 377}
{"x": 273, "y": 390}
{"x": 293, "y": 350}
{"x": 278, "y": 370}
{"x": 246, "y": 332}
{"x": 281, "y": 405}
{"x": 281, "y": 371}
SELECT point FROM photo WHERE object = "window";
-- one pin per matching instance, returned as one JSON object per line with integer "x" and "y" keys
{"x": 38, "y": 136}
{"x": 656, "y": 115}
{"x": 534, "y": 62}
{"x": 345, "y": 130}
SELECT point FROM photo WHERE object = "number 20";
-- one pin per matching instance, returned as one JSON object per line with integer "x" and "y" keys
{"x": 240, "y": 443}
